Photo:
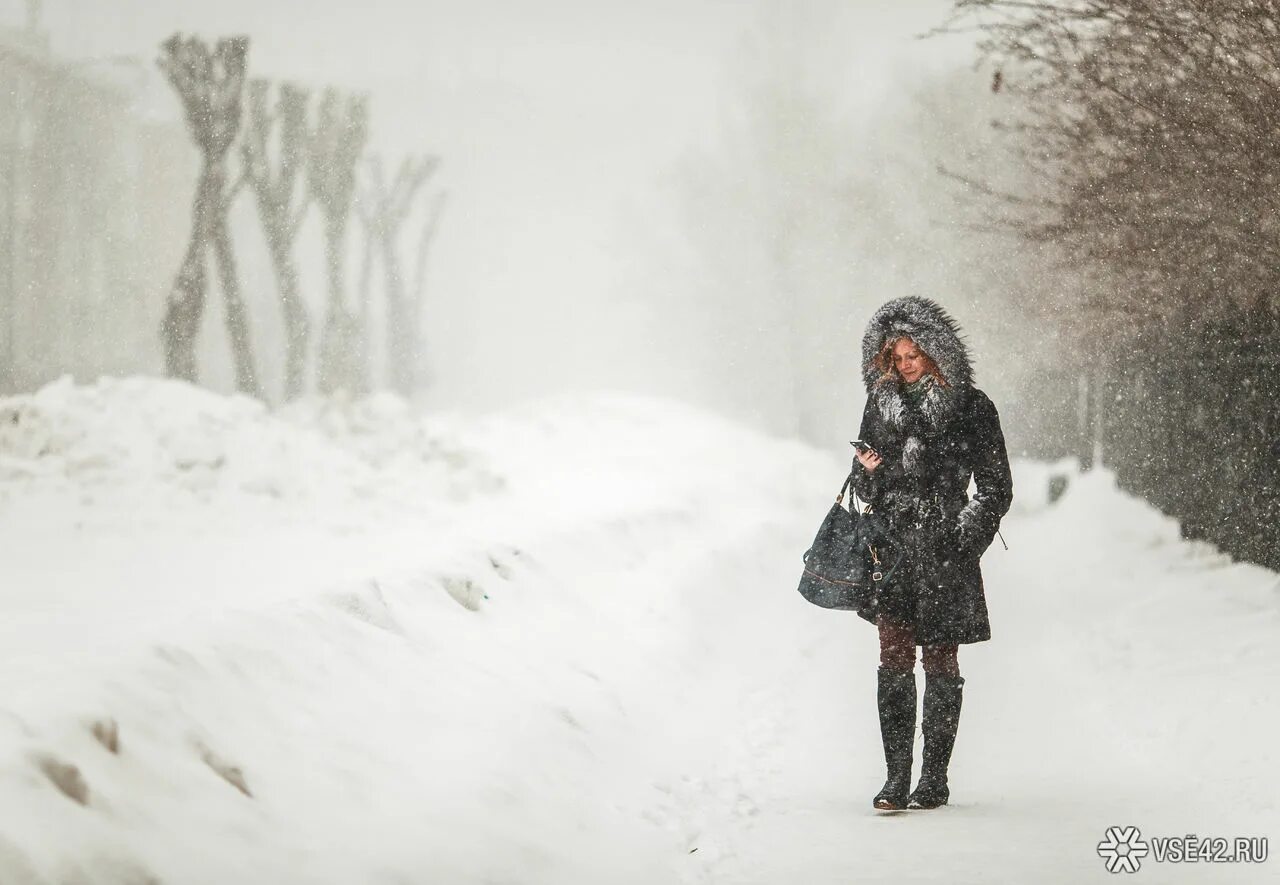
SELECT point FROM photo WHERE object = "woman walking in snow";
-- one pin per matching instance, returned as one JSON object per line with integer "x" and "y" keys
{"x": 929, "y": 430}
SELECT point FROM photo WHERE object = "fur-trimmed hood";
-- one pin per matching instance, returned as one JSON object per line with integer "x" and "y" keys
{"x": 936, "y": 333}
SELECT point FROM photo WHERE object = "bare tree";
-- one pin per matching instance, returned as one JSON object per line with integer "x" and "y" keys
{"x": 211, "y": 87}
{"x": 364, "y": 289}
{"x": 388, "y": 206}
{"x": 417, "y": 298}
{"x": 335, "y": 147}
{"x": 282, "y": 216}
{"x": 1152, "y": 122}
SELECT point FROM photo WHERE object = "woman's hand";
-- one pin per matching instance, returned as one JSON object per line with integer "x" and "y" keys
{"x": 869, "y": 460}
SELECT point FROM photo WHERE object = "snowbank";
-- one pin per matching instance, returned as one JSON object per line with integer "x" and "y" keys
{"x": 165, "y": 446}
{"x": 441, "y": 647}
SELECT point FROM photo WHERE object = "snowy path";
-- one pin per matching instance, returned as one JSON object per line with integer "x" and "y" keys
{"x": 1143, "y": 696}
{"x": 595, "y": 669}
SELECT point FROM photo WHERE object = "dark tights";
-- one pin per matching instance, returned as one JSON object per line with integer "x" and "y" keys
{"x": 898, "y": 651}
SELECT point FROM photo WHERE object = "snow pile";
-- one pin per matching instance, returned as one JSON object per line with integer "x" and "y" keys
{"x": 462, "y": 689}
{"x": 148, "y": 443}
{"x": 384, "y": 432}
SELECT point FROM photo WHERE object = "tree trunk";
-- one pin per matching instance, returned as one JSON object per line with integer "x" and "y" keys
{"x": 335, "y": 146}
{"x": 210, "y": 86}
{"x": 181, "y": 323}
{"x": 297, "y": 325}
{"x": 338, "y": 351}
{"x": 185, "y": 305}
{"x": 401, "y": 352}
{"x": 273, "y": 179}
{"x": 237, "y": 314}
{"x": 417, "y": 298}
{"x": 365, "y": 295}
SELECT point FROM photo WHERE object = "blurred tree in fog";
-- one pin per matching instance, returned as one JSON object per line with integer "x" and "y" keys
{"x": 418, "y": 289}
{"x": 334, "y": 150}
{"x": 211, "y": 88}
{"x": 275, "y": 185}
{"x": 383, "y": 211}
{"x": 1151, "y": 125}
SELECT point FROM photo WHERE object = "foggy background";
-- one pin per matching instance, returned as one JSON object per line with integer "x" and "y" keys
{"x": 665, "y": 197}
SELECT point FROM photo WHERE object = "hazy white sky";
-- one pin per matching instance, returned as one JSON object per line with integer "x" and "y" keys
{"x": 553, "y": 118}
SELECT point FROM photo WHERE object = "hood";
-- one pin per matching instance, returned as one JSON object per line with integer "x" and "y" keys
{"x": 936, "y": 333}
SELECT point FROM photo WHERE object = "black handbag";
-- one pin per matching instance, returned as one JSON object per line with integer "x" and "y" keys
{"x": 852, "y": 559}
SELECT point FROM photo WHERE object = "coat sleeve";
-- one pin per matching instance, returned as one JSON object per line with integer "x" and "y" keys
{"x": 979, "y": 521}
{"x": 869, "y": 486}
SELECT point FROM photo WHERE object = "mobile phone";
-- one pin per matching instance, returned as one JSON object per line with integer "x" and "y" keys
{"x": 861, "y": 446}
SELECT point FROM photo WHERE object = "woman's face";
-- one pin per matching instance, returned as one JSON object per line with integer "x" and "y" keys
{"x": 908, "y": 360}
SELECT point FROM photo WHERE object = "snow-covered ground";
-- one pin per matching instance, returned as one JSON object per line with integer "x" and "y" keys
{"x": 562, "y": 644}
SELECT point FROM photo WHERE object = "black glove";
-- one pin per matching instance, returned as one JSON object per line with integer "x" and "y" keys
{"x": 969, "y": 540}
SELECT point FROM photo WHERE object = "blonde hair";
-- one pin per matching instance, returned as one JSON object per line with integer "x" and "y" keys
{"x": 883, "y": 362}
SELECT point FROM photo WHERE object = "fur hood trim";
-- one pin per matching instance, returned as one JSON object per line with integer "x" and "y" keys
{"x": 936, "y": 333}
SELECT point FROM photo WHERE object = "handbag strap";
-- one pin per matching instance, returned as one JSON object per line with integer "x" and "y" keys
{"x": 848, "y": 487}
{"x": 848, "y": 483}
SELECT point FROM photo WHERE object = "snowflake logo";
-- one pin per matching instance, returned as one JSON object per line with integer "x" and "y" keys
{"x": 1123, "y": 849}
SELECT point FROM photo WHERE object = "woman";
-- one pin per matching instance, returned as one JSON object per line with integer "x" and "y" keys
{"x": 929, "y": 430}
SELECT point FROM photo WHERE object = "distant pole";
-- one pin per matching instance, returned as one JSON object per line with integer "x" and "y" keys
{"x": 1084, "y": 420}
{"x": 35, "y": 12}
{"x": 8, "y": 367}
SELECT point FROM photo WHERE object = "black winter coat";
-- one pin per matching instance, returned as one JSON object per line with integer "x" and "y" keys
{"x": 930, "y": 452}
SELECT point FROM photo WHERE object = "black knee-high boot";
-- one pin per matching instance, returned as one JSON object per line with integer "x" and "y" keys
{"x": 896, "y": 697}
{"x": 941, "y": 718}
